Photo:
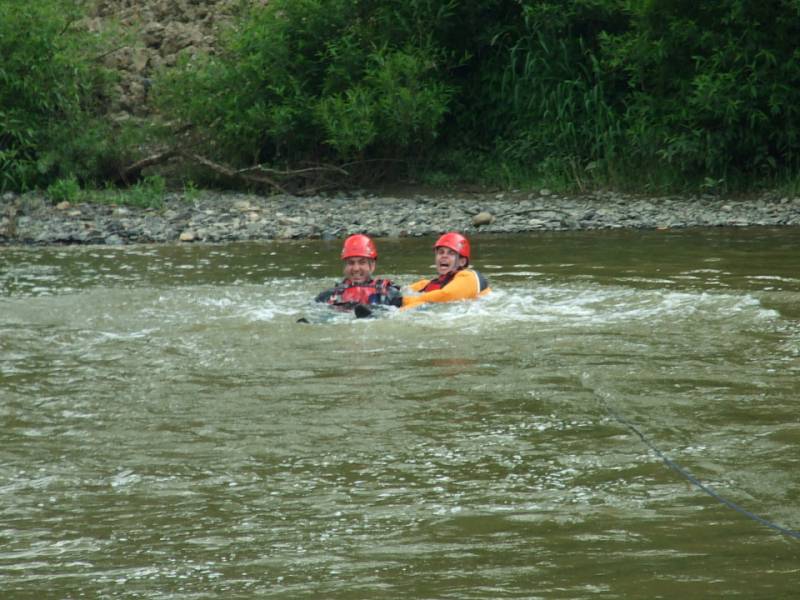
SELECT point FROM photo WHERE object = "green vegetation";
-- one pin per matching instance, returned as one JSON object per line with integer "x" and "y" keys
{"x": 52, "y": 97}
{"x": 319, "y": 80}
{"x": 647, "y": 95}
{"x": 65, "y": 190}
{"x": 149, "y": 192}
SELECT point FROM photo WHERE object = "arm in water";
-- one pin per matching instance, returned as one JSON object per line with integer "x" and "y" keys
{"x": 348, "y": 294}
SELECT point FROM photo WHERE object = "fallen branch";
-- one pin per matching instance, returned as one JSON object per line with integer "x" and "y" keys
{"x": 234, "y": 174}
{"x": 137, "y": 167}
{"x": 256, "y": 174}
{"x": 374, "y": 160}
{"x": 294, "y": 172}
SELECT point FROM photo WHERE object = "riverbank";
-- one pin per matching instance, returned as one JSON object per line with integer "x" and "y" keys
{"x": 208, "y": 216}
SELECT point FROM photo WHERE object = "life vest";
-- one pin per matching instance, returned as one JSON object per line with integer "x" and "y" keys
{"x": 439, "y": 282}
{"x": 375, "y": 291}
{"x": 443, "y": 280}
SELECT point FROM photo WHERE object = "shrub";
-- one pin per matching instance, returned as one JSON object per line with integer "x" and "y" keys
{"x": 67, "y": 189}
{"x": 315, "y": 80}
{"x": 585, "y": 93}
{"x": 714, "y": 87}
{"x": 51, "y": 95}
{"x": 147, "y": 193}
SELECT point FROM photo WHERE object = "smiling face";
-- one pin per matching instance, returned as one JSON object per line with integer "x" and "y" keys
{"x": 448, "y": 260}
{"x": 358, "y": 269}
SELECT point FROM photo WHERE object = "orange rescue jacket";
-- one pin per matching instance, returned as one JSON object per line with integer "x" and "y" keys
{"x": 466, "y": 284}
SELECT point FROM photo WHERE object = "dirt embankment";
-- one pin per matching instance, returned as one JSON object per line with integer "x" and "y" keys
{"x": 152, "y": 34}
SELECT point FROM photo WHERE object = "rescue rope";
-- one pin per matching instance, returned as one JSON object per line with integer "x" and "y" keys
{"x": 691, "y": 478}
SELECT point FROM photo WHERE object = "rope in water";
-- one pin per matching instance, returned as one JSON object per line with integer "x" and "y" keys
{"x": 692, "y": 479}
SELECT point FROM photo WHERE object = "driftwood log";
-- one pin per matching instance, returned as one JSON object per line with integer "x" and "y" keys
{"x": 275, "y": 179}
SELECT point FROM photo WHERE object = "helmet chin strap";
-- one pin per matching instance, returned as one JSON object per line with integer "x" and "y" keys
{"x": 458, "y": 266}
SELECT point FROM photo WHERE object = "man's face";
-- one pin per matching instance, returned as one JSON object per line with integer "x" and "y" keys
{"x": 358, "y": 269}
{"x": 448, "y": 260}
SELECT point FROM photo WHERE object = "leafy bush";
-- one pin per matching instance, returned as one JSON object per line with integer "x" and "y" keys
{"x": 67, "y": 189}
{"x": 578, "y": 93}
{"x": 392, "y": 108}
{"x": 542, "y": 96}
{"x": 51, "y": 95}
{"x": 661, "y": 93}
{"x": 147, "y": 193}
{"x": 316, "y": 80}
{"x": 714, "y": 86}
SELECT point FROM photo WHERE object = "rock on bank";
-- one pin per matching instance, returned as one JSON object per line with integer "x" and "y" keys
{"x": 225, "y": 217}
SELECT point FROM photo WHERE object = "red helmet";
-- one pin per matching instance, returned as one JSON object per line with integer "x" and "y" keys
{"x": 359, "y": 245}
{"x": 456, "y": 242}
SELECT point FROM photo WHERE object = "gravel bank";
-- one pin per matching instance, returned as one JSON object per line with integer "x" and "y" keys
{"x": 225, "y": 217}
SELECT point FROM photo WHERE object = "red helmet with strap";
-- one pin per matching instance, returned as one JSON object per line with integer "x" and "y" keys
{"x": 456, "y": 242}
{"x": 359, "y": 245}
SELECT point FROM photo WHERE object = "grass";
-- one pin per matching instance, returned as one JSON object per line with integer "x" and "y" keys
{"x": 147, "y": 193}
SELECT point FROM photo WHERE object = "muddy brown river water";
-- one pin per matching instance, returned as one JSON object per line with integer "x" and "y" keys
{"x": 167, "y": 429}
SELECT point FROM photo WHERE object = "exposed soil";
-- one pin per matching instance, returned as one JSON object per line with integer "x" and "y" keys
{"x": 152, "y": 35}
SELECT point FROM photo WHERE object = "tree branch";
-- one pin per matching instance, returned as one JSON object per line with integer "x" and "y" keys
{"x": 256, "y": 174}
{"x": 292, "y": 172}
{"x": 234, "y": 174}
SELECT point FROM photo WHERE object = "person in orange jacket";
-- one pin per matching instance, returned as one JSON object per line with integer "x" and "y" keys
{"x": 360, "y": 258}
{"x": 455, "y": 281}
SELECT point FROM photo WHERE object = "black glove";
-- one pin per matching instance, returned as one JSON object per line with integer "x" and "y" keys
{"x": 396, "y": 301}
{"x": 324, "y": 296}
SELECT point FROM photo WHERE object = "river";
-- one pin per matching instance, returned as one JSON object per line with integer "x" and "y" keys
{"x": 618, "y": 419}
